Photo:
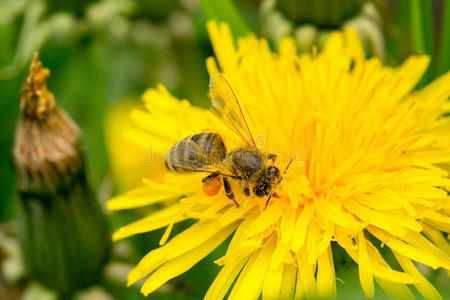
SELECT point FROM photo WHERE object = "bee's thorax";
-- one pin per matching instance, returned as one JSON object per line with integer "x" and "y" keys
{"x": 247, "y": 163}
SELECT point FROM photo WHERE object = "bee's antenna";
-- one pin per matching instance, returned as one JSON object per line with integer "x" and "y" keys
{"x": 279, "y": 181}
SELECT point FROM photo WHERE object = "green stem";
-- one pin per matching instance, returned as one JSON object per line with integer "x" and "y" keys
{"x": 444, "y": 55}
{"x": 422, "y": 32}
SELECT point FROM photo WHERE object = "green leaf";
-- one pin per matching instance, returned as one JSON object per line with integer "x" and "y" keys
{"x": 9, "y": 110}
{"x": 444, "y": 57}
{"x": 422, "y": 32}
{"x": 225, "y": 11}
{"x": 8, "y": 115}
{"x": 397, "y": 42}
{"x": 33, "y": 34}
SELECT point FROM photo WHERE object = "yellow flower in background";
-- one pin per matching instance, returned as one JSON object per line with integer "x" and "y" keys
{"x": 129, "y": 162}
{"x": 367, "y": 166}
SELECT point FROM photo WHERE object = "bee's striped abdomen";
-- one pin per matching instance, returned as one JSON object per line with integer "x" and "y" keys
{"x": 196, "y": 152}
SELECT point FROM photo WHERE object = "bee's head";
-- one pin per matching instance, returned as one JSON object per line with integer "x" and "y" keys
{"x": 273, "y": 174}
{"x": 267, "y": 181}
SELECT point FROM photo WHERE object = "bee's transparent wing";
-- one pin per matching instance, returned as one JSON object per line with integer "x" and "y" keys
{"x": 215, "y": 160}
{"x": 195, "y": 159}
{"x": 225, "y": 104}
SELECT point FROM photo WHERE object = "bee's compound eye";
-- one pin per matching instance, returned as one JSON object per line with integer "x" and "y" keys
{"x": 212, "y": 187}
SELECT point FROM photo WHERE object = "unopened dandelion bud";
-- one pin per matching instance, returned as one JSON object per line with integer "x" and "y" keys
{"x": 310, "y": 22}
{"x": 64, "y": 234}
{"x": 319, "y": 12}
{"x": 306, "y": 37}
{"x": 368, "y": 26}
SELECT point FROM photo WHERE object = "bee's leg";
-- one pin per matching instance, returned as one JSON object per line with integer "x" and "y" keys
{"x": 228, "y": 191}
{"x": 267, "y": 201}
{"x": 275, "y": 195}
{"x": 247, "y": 191}
{"x": 272, "y": 157}
{"x": 210, "y": 177}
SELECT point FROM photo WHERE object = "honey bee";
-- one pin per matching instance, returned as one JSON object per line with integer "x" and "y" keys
{"x": 251, "y": 168}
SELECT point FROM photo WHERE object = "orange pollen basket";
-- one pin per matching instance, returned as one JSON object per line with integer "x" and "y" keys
{"x": 212, "y": 187}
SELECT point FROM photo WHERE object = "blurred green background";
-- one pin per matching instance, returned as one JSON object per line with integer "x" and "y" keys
{"x": 104, "y": 54}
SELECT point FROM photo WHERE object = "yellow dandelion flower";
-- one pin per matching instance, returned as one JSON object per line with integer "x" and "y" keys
{"x": 368, "y": 155}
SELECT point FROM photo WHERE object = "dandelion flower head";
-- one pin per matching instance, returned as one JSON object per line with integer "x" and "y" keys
{"x": 369, "y": 155}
